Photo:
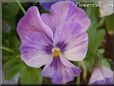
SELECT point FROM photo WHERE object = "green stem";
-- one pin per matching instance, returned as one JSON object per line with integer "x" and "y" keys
{"x": 21, "y": 7}
{"x": 78, "y": 78}
{"x": 7, "y": 49}
{"x": 101, "y": 22}
{"x": 84, "y": 70}
{"x": 18, "y": 56}
{"x": 99, "y": 57}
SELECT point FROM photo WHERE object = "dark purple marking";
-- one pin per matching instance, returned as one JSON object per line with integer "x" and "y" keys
{"x": 48, "y": 49}
{"x": 61, "y": 45}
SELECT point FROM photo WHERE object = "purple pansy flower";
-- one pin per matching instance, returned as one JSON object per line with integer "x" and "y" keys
{"x": 47, "y": 3}
{"x": 52, "y": 39}
{"x": 101, "y": 76}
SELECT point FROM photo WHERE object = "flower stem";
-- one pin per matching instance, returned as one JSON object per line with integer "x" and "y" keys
{"x": 84, "y": 70}
{"x": 99, "y": 56}
{"x": 7, "y": 49}
{"x": 101, "y": 22}
{"x": 21, "y": 7}
{"x": 78, "y": 78}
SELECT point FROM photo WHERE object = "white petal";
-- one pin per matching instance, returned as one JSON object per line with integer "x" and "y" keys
{"x": 38, "y": 60}
{"x": 77, "y": 49}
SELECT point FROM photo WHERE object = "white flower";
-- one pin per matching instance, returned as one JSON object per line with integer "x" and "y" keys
{"x": 106, "y": 7}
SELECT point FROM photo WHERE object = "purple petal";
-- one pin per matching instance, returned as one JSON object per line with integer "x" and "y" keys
{"x": 109, "y": 80}
{"x": 49, "y": 20}
{"x": 106, "y": 81}
{"x": 108, "y": 74}
{"x": 96, "y": 76}
{"x": 66, "y": 11}
{"x": 101, "y": 76}
{"x": 60, "y": 72}
{"x": 76, "y": 41}
{"x": 32, "y": 22}
{"x": 32, "y": 49}
{"x": 99, "y": 82}
{"x": 46, "y": 4}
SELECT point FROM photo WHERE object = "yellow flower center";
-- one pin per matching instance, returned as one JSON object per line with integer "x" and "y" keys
{"x": 56, "y": 52}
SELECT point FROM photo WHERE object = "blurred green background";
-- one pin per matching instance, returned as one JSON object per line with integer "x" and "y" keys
{"x": 100, "y": 39}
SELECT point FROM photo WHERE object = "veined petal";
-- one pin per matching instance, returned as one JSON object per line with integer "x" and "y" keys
{"x": 33, "y": 51}
{"x": 102, "y": 76}
{"x": 66, "y": 11}
{"x": 97, "y": 76}
{"x": 49, "y": 20}
{"x": 108, "y": 74}
{"x": 76, "y": 54}
{"x": 76, "y": 41}
{"x": 68, "y": 63}
{"x": 60, "y": 71}
{"x": 99, "y": 82}
{"x": 32, "y": 22}
{"x": 109, "y": 81}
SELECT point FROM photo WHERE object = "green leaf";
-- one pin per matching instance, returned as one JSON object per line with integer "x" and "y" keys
{"x": 11, "y": 68}
{"x": 106, "y": 63}
{"x": 109, "y": 21}
{"x": 10, "y": 10}
{"x": 31, "y": 76}
{"x": 95, "y": 38}
{"x": 101, "y": 51}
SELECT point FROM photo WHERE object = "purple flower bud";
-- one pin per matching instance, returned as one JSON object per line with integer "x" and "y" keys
{"x": 101, "y": 76}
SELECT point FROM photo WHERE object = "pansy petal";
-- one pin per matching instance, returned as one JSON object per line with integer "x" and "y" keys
{"x": 47, "y": 3}
{"x": 79, "y": 51}
{"x": 108, "y": 73}
{"x": 97, "y": 76}
{"x": 68, "y": 63}
{"x": 109, "y": 81}
{"x": 60, "y": 73}
{"x": 32, "y": 22}
{"x": 66, "y": 11}
{"x": 49, "y": 20}
{"x": 99, "y": 82}
{"x": 75, "y": 41}
{"x": 33, "y": 49}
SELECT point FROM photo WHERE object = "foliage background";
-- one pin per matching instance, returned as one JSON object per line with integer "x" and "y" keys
{"x": 100, "y": 43}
